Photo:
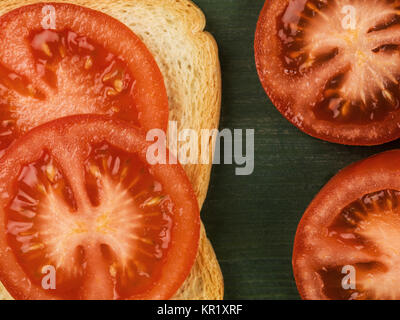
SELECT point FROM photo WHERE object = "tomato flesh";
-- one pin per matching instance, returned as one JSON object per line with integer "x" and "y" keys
{"x": 109, "y": 225}
{"x": 368, "y": 224}
{"x": 298, "y": 31}
{"x": 108, "y": 75}
{"x": 41, "y": 188}
{"x": 74, "y": 70}
{"x": 353, "y": 225}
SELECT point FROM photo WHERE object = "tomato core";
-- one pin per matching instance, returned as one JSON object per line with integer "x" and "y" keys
{"x": 129, "y": 224}
{"x": 312, "y": 34}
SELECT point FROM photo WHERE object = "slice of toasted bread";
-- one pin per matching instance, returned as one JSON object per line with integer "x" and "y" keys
{"x": 173, "y": 30}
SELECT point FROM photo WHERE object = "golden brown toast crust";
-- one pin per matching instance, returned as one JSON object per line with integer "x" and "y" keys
{"x": 173, "y": 30}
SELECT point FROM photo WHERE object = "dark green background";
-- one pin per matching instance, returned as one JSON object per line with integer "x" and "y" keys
{"x": 252, "y": 220}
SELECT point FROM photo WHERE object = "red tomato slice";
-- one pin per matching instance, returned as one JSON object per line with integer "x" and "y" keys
{"x": 91, "y": 63}
{"x": 79, "y": 196}
{"x": 333, "y": 68}
{"x": 350, "y": 234}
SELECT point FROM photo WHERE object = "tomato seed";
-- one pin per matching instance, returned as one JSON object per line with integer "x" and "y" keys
{"x": 88, "y": 63}
{"x": 110, "y": 75}
{"x": 118, "y": 85}
{"x": 46, "y": 50}
{"x": 154, "y": 201}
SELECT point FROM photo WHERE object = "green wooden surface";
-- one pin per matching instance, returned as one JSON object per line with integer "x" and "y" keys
{"x": 252, "y": 220}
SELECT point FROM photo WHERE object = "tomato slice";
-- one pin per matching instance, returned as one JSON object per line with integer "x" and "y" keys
{"x": 347, "y": 244}
{"x": 332, "y": 68}
{"x": 80, "y": 67}
{"x": 78, "y": 196}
